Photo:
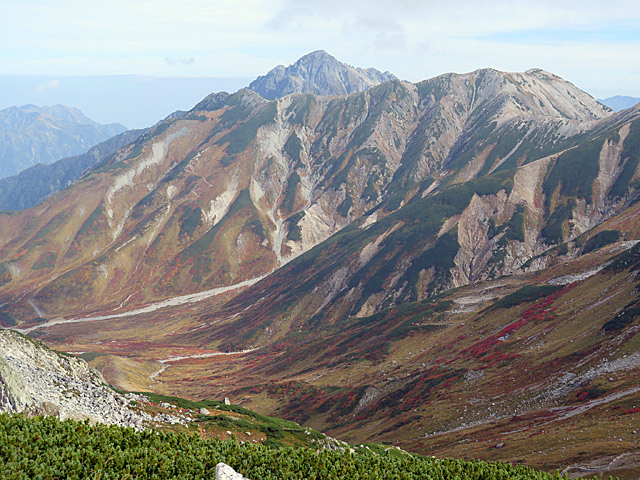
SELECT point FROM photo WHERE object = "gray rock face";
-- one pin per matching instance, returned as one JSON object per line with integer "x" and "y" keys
{"x": 317, "y": 73}
{"x": 38, "y": 381}
{"x": 30, "y": 135}
{"x": 225, "y": 472}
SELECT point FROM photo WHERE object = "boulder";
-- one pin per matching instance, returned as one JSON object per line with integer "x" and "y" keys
{"x": 225, "y": 472}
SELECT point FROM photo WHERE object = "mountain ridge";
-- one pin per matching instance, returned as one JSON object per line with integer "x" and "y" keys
{"x": 30, "y": 186}
{"x": 620, "y": 102}
{"x": 307, "y": 180}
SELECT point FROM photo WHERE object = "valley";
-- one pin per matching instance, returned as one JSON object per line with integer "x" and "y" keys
{"x": 449, "y": 266}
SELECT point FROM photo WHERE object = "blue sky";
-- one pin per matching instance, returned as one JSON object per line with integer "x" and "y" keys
{"x": 594, "y": 44}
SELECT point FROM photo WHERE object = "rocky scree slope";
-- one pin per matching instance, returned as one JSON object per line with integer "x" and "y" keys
{"x": 38, "y": 381}
{"x": 30, "y": 135}
{"x": 317, "y": 73}
{"x": 239, "y": 186}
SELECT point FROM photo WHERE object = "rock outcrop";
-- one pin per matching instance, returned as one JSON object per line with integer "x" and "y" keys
{"x": 39, "y": 381}
{"x": 225, "y": 472}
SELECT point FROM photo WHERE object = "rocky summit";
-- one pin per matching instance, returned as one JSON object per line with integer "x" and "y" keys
{"x": 317, "y": 73}
{"x": 449, "y": 265}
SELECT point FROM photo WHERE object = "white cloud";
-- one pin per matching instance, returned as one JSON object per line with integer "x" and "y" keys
{"x": 46, "y": 86}
{"x": 414, "y": 39}
{"x": 179, "y": 60}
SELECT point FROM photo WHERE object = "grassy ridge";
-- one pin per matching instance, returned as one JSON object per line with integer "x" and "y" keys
{"x": 40, "y": 448}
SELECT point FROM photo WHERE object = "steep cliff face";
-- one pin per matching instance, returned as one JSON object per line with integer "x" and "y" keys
{"x": 510, "y": 222}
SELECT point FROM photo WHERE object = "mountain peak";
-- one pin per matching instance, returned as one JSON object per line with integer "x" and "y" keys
{"x": 317, "y": 55}
{"x": 318, "y": 73}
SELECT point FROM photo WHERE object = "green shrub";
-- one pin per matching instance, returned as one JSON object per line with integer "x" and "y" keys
{"x": 601, "y": 239}
{"x": 528, "y": 293}
{"x": 49, "y": 449}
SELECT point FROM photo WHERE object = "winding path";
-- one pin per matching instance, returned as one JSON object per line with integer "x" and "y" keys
{"x": 169, "y": 360}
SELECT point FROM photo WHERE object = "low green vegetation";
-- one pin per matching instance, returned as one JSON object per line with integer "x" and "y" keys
{"x": 631, "y": 152}
{"x": 190, "y": 220}
{"x": 552, "y": 231}
{"x": 601, "y": 239}
{"x": 45, "y": 448}
{"x": 575, "y": 171}
{"x": 528, "y": 293}
{"x": 623, "y": 318}
{"x": 47, "y": 260}
{"x": 295, "y": 233}
{"x": 515, "y": 225}
{"x": 300, "y": 107}
{"x": 290, "y": 192}
{"x": 293, "y": 148}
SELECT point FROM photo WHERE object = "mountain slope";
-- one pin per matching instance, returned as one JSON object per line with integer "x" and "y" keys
{"x": 509, "y": 222}
{"x": 30, "y": 135}
{"x": 33, "y": 184}
{"x": 317, "y": 73}
{"x": 240, "y": 185}
{"x": 39, "y": 381}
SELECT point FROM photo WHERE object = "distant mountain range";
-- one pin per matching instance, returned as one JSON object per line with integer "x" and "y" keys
{"x": 317, "y": 73}
{"x": 30, "y": 135}
{"x": 30, "y": 186}
{"x": 620, "y": 102}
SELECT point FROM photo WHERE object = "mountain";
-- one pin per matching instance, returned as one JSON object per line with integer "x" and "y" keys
{"x": 33, "y": 184}
{"x": 30, "y": 135}
{"x": 620, "y": 102}
{"x": 447, "y": 265}
{"x": 240, "y": 185}
{"x": 317, "y": 73}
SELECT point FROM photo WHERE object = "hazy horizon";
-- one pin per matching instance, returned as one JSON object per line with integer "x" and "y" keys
{"x": 132, "y": 100}
{"x": 592, "y": 44}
